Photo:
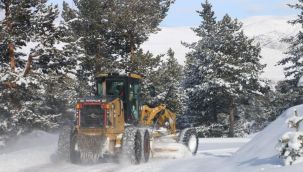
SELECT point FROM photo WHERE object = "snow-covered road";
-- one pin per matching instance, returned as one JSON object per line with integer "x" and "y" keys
{"x": 34, "y": 153}
{"x": 211, "y": 152}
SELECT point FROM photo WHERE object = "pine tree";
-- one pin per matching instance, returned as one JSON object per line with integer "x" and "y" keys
{"x": 223, "y": 65}
{"x": 105, "y": 36}
{"x": 288, "y": 92}
{"x": 112, "y": 31}
{"x": 135, "y": 20}
{"x": 24, "y": 102}
{"x": 289, "y": 144}
{"x": 167, "y": 81}
{"x": 146, "y": 64}
{"x": 293, "y": 61}
{"x": 242, "y": 65}
{"x": 70, "y": 30}
{"x": 287, "y": 95}
{"x": 255, "y": 112}
{"x": 197, "y": 106}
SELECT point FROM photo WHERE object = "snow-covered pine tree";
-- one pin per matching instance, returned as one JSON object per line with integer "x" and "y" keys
{"x": 109, "y": 33}
{"x": 27, "y": 49}
{"x": 198, "y": 108}
{"x": 167, "y": 81}
{"x": 241, "y": 66}
{"x": 255, "y": 112}
{"x": 293, "y": 60}
{"x": 106, "y": 36}
{"x": 85, "y": 32}
{"x": 145, "y": 64}
{"x": 290, "y": 145}
{"x": 287, "y": 94}
{"x": 71, "y": 36}
{"x": 135, "y": 21}
{"x": 222, "y": 66}
{"x": 293, "y": 63}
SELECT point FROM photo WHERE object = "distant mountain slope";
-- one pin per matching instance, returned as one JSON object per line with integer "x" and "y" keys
{"x": 267, "y": 30}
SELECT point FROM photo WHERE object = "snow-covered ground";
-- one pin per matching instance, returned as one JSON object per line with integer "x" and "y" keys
{"x": 34, "y": 152}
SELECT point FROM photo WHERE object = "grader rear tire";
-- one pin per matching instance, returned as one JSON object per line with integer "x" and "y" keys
{"x": 132, "y": 145}
{"x": 74, "y": 155}
{"x": 145, "y": 146}
{"x": 189, "y": 138}
{"x": 64, "y": 142}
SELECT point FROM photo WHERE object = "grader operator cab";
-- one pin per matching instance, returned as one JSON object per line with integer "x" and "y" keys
{"x": 115, "y": 123}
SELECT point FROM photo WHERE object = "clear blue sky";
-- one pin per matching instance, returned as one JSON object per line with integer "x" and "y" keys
{"x": 183, "y": 12}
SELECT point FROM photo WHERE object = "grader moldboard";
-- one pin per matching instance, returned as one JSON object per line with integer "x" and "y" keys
{"x": 114, "y": 123}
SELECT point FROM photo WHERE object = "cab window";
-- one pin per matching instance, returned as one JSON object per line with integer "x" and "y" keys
{"x": 115, "y": 88}
{"x": 99, "y": 89}
{"x": 134, "y": 93}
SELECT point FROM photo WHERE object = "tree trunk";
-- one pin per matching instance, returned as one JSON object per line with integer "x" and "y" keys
{"x": 215, "y": 115}
{"x": 9, "y": 85}
{"x": 231, "y": 117}
{"x": 132, "y": 48}
{"x": 132, "y": 52}
{"x": 12, "y": 61}
{"x": 28, "y": 64}
{"x": 9, "y": 28}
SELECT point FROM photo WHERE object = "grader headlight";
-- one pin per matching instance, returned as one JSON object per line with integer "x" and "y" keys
{"x": 79, "y": 106}
{"x": 106, "y": 106}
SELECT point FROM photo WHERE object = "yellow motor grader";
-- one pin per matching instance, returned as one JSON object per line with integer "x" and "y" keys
{"x": 114, "y": 123}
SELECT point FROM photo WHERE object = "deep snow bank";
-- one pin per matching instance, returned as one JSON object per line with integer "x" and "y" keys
{"x": 260, "y": 153}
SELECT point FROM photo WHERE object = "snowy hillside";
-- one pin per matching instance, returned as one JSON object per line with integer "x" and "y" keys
{"x": 267, "y": 30}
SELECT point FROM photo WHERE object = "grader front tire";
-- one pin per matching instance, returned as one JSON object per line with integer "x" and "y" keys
{"x": 132, "y": 145}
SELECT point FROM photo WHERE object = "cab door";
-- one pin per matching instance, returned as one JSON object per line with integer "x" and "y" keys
{"x": 134, "y": 91}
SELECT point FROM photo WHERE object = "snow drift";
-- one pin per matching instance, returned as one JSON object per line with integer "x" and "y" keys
{"x": 260, "y": 153}
{"x": 30, "y": 150}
